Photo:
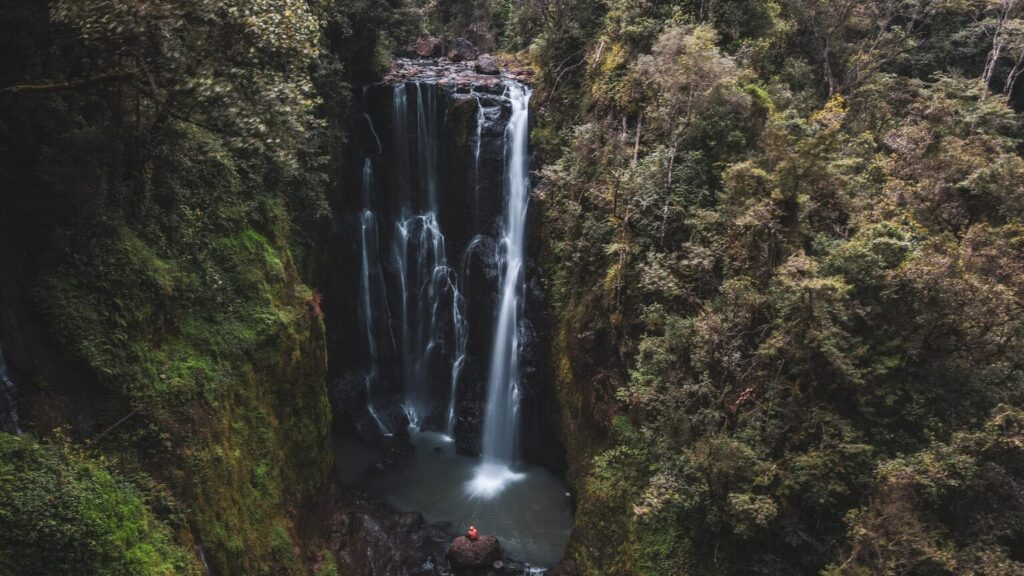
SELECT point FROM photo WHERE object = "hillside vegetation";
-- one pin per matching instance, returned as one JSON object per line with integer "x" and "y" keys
{"x": 165, "y": 172}
{"x": 785, "y": 247}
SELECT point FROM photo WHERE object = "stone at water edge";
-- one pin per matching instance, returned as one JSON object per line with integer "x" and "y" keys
{"x": 509, "y": 568}
{"x": 473, "y": 554}
{"x": 485, "y": 64}
{"x": 461, "y": 49}
{"x": 428, "y": 47}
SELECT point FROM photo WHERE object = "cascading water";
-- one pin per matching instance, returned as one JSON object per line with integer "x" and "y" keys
{"x": 430, "y": 281}
{"x": 426, "y": 118}
{"x": 425, "y": 298}
{"x": 501, "y": 417}
{"x": 442, "y": 301}
{"x": 461, "y": 331}
{"x": 424, "y": 278}
{"x": 369, "y": 245}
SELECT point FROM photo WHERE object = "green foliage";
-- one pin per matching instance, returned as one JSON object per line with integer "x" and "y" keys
{"x": 60, "y": 513}
{"x": 908, "y": 524}
{"x": 164, "y": 188}
{"x": 209, "y": 336}
{"x": 808, "y": 282}
{"x": 240, "y": 67}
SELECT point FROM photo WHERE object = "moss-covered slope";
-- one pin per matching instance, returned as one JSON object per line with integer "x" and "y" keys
{"x": 62, "y": 513}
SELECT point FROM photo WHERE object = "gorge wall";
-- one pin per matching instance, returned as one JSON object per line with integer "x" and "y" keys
{"x": 159, "y": 342}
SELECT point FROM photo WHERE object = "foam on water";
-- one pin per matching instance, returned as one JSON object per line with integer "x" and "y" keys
{"x": 491, "y": 479}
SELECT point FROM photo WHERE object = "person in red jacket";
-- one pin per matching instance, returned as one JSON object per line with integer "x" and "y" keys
{"x": 471, "y": 533}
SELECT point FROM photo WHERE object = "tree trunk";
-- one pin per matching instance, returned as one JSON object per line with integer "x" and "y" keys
{"x": 668, "y": 196}
{"x": 636, "y": 143}
{"x": 1011, "y": 80}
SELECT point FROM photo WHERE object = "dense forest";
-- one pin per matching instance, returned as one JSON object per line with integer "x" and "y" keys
{"x": 782, "y": 245}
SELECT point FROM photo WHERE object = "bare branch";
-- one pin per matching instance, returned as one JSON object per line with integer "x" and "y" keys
{"x": 62, "y": 86}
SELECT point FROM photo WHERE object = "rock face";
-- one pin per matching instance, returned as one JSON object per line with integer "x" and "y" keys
{"x": 461, "y": 49}
{"x": 485, "y": 64}
{"x": 368, "y": 538}
{"x": 471, "y": 555}
{"x": 428, "y": 47}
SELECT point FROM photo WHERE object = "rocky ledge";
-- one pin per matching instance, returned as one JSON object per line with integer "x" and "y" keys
{"x": 482, "y": 73}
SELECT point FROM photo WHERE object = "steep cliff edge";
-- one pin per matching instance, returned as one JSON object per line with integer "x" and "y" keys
{"x": 158, "y": 338}
{"x": 188, "y": 353}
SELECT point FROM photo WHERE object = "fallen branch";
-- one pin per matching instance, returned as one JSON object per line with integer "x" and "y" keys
{"x": 61, "y": 86}
{"x": 112, "y": 426}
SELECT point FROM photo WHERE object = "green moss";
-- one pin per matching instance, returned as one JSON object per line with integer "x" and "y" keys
{"x": 63, "y": 514}
{"x": 208, "y": 338}
{"x": 328, "y": 566}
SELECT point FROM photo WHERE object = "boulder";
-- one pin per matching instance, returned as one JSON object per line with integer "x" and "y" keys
{"x": 466, "y": 554}
{"x": 461, "y": 49}
{"x": 367, "y": 537}
{"x": 485, "y": 64}
{"x": 428, "y": 47}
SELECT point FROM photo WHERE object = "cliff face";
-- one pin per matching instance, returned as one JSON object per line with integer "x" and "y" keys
{"x": 202, "y": 371}
{"x": 151, "y": 315}
{"x": 585, "y": 368}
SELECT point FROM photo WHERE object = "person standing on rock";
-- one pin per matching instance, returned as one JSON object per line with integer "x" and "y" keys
{"x": 471, "y": 533}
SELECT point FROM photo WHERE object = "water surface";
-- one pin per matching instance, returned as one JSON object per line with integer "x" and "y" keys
{"x": 530, "y": 512}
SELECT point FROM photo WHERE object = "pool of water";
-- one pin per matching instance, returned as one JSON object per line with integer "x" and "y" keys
{"x": 526, "y": 507}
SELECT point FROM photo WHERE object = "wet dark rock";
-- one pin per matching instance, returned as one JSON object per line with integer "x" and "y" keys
{"x": 461, "y": 50}
{"x": 485, "y": 64}
{"x": 369, "y": 538}
{"x": 410, "y": 521}
{"x": 480, "y": 554}
{"x": 428, "y": 47}
{"x": 347, "y": 394}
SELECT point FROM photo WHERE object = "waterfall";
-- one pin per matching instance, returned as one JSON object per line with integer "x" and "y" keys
{"x": 426, "y": 120}
{"x": 202, "y": 558}
{"x": 376, "y": 138}
{"x": 406, "y": 275}
{"x": 427, "y": 280}
{"x": 10, "y": 395}
{"x": 501, "y": 415}
{"x": 461, "y": 331}
{"x": 368, "y": 244}
{"x": 446, "y": 191}
{"x": 423, "y": 277}
{"x": 481, "y": 119}
{"x": 501, "y": 418}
